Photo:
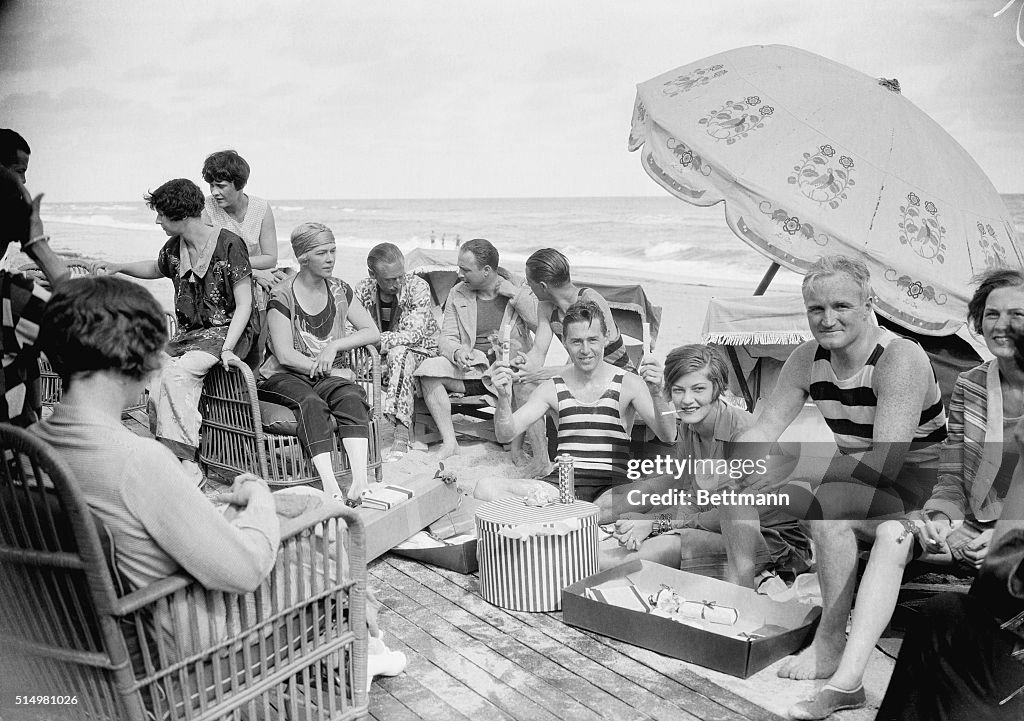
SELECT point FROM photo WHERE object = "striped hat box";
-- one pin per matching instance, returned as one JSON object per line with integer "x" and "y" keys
{"x": 529, "y": 574}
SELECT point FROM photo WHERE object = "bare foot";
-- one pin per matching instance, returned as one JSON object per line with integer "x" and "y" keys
{"x": 818, "y": 660}
{"x": 447, "y": 451}
{"x": 356, "y": 490}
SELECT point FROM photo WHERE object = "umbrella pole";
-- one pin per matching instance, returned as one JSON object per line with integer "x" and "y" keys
{"x": 766, "y": 280}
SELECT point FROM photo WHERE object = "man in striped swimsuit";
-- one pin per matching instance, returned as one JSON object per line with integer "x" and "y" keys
{"x": 596, "y": 403}
{"x": 879, "y": 396}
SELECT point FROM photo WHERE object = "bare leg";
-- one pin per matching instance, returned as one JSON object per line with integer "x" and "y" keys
{"x": 357, "y": 450}
{"x": 876, "y": 601}
{"x": 741, "y": 534}
{"x": 325, "y": 469}
{"x": 435, "y": 395}
{"x": 836, "y": 547}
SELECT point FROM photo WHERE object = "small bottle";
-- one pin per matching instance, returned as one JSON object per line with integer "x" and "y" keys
{"x": 566, "y": 479}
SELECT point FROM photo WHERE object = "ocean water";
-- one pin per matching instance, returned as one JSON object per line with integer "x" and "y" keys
{"x": 637, "y": 234}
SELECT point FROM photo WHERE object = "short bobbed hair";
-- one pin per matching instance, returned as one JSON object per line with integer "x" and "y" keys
{"x": 177, "y": 199}
{"x": 103, "y": 323}
{"x": 586, "y": 312}
{"x": 988, "y": 282}
{"x": 694, "y": 358}
{"x": 830, "y": 265}
{"x": 549, "y": 266}
{"x": 224, "y": 166}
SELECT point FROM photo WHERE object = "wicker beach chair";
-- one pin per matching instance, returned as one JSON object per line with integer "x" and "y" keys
{"x": 242, "y": 433}
{"x": 82, "y": 649}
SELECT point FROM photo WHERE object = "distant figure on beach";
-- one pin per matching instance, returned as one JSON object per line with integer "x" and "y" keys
{"x": 14, "y": 153}
{"x": 689, "y": 537}
{"x": 443, "y": 239}
{"x": 484, "y": 303}
{"x": 458, "y": 242}
{"x": 213, "y": 306}
{"x": 23, "y": 300}
{"x": 595, "y": 403}
{"x": 547, "y": 273}
{"x": 880, "y": 397}
{"x": 976, "y": 467}
{"x": 401, "y": 305}
{"x": 433, "y": 240}
{"x": 308, "y": 313}
{"x": 251, "y": 219}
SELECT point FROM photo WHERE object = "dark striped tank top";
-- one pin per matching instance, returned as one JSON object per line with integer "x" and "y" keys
{"x": 593, "y": 433}
{"x": 848, "y": 406}
{"x": 614, "y": 352}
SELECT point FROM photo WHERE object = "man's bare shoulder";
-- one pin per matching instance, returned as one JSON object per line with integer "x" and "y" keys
{"x": 903, "y": 356}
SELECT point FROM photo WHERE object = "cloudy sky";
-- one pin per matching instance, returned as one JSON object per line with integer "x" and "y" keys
{"x": 451, "y": 98}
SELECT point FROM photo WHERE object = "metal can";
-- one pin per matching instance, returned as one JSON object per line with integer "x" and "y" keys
{"x": 566, "y": 479}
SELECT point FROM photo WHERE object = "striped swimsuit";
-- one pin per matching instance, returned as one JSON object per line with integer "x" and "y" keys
{"x": 593, "y": 433}
{"x": 614, "y": 352}
{"x": 848, "y": 406}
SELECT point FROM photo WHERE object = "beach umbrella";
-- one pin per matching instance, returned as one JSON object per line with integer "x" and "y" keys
{"x": 814, "y": 158}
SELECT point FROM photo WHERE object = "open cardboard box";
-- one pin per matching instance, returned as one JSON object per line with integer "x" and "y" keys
{"x": 385, "y": 529}
{"x": 716, "y": 646}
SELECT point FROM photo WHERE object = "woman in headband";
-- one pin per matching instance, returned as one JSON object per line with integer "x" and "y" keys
{"x": 307, "y": 316}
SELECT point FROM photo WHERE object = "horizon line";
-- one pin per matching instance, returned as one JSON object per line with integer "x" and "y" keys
{"x": 471, "y": 197}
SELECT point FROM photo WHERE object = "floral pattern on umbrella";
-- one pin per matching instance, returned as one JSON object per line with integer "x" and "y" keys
{"x": 923, "y": 232}
{"x": 687, "y": 158}
{"x": 735, "y": 119}
{"x": 791, "y": 225}
{"x": 914, "y": 288}
{"x": 824, "y": 178}
{"x": 687, "y": 82}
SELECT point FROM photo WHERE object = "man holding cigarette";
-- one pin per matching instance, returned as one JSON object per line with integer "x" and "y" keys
{"x": 595, "y": 402}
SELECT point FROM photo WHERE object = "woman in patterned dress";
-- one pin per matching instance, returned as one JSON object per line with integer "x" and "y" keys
{"x": 306, "y": 315}
{"x": 212, "y": 301}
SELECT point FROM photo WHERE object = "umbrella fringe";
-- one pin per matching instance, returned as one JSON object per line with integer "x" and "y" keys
{"x": 755, "y": 338}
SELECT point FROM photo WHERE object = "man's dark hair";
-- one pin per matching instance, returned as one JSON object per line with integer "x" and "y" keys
{"x": 177, "y": 199}
{"x": 15, "y": 213}
{"x": 10, "y": 143}
{"x": 103, "y": 323}
{"x": 226, "y": 165}
{"x": 547, "y": 265}
{"x": 482, "y": 251}
{"x": 586, "y": 312}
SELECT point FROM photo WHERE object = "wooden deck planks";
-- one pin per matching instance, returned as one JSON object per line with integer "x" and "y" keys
{"x": 636, "y": 678}
{"x": 674, "y": 681}
{"x": 560, "y": 691}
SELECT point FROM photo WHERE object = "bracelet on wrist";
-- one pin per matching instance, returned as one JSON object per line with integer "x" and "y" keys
{"x": 663, "y": 524}
{"x": 44, "y": 238}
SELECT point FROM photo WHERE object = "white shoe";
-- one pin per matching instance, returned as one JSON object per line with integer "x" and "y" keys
{"x": 382, "y": 662}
